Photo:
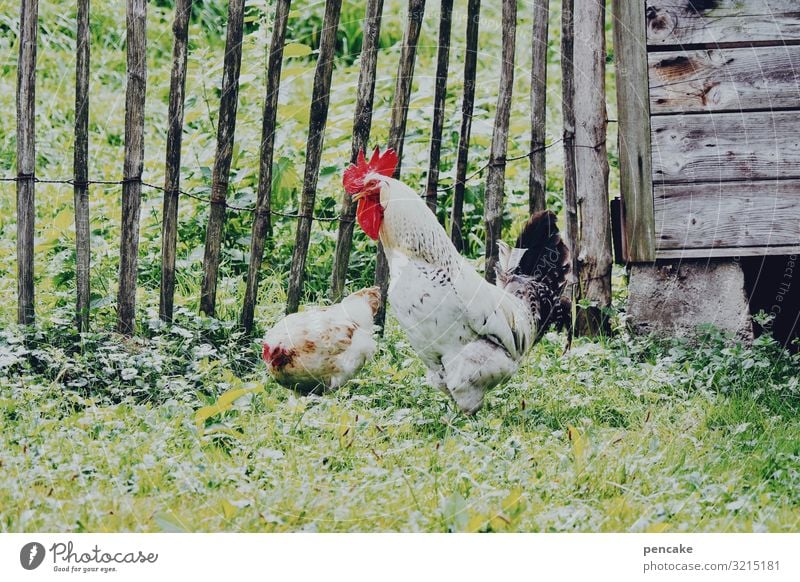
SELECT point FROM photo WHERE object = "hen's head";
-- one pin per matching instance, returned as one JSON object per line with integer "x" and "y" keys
{"x": 362, "y": 181}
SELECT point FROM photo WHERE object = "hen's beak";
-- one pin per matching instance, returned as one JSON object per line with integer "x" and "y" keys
{"x": 359, "y": 195}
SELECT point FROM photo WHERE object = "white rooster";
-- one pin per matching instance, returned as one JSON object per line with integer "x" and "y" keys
{"x": 321, "y": 348}
{"x": 470, "y": 334}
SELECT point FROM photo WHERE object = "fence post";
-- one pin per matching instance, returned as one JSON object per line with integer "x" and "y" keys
{"x": 320, "y": 98}
{"x": 467, "y": 105}
{"x": 362, "y": 122}
{"x": 172, "y": 174}
{"x": 26, "y": 159}
{"x": 132, "y": 168}
{"x": 440, "y": 94}
{"x": 222, "y": 159}
{"x": 568, "y": 112}
{"x": 80, "y": 169}
{"x": 262, "y": 224}
{"x": 591, "y": 166}
{"x": 402, "y": 96}
{"x": 537, "y": 182}
{"x": 495, "y": 180}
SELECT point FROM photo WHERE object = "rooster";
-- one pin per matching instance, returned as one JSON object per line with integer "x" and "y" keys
{"x": 322, "y": 348}
{"x": 470, "y": 334}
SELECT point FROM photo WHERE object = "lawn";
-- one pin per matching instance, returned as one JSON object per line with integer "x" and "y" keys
{"x": 181, "y": 429}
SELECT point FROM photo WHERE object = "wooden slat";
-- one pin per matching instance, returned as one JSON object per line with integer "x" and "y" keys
{"x": 262, "y": 224}
{"x": 81, "y": 169}
{"x": 222, "y": 159}
{"x": 568, "y": 117}
{"x": 457, "y": 233}
{"x": 739, "y": 214}
{"x": 133, "y": 165}
{"x": 26, "y": 158}
{"x": 172, "y": 174}
{"x": 397, "y": 133}
{"x": 725, "y": 80}
{"x": 634, "y": 129}
{"x": 723, "y": 252}
{"x": 495, "y": 179}
{"x": 591, "y": 167}
{"x": 686, "y": 22}
{"x": 362, "y": 123}
{"x": 714, "y": 147}
{"x": 537, "y": 179}
{"x": 440, "y": 93}
{"x": 318, "y": 117}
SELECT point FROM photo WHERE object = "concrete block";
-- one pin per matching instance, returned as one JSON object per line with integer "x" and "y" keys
{"x": 671, "y": 298}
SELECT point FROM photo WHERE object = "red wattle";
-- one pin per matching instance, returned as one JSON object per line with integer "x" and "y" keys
{"x": 370, "y": 215}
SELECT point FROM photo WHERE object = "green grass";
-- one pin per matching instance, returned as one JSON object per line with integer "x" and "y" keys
{"x": 104, "y": 433}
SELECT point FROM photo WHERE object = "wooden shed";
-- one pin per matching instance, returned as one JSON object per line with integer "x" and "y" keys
{"x": 709, "y": 119}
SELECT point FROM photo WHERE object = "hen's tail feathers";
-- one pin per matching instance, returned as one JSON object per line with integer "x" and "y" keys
{"x": 540, "y": 254}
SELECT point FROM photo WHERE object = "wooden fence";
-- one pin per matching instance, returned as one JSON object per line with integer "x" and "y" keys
{"x": 586, "y": 166}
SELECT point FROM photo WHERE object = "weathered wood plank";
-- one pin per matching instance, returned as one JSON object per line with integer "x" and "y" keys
{"x": 685, "y": 22}
{"x": 495, "y": 179}
{"x": 362, "y": 123}
{"x": 727, "y": 215}
{"x": 568, "y": 116}
{"x": 262, "y": 224}
{"x": 457, "y": 233}
{"x": 172, "y": 174}
{"x": 397, "y": 133}
{"x": 220, "y": 174}
{"x": 26, "y": 159}
{"x": 537, "y": 179}
{"x": 591, "y": 167}
{"x": 133, "y": 164}
{"x": 725, "y": 80}
{"x": 723, "y": 252}
{"x": 713, "y": 147}
{"x": 81, "y": 169}
{"x": 318, "y": 117}
{"x": 440, "y": 93}
{"x": 634, "y": 129}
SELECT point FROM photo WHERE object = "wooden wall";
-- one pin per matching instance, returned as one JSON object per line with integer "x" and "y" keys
{"x": 724, "y": 126}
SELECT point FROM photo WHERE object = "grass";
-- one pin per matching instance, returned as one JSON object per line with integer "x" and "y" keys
{"x": 180, "y": 429}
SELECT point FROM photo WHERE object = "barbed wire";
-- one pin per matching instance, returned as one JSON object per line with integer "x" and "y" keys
{"x": 253, "y": 209}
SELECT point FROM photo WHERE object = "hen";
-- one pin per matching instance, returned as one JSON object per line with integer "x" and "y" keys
{"x": 470, "y": 334}
{"x": 321, "y": 348}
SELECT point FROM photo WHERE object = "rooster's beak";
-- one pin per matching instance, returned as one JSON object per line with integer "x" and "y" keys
{"x": 359, "y": 195}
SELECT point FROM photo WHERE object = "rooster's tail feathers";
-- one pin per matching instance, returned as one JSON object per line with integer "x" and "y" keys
{"x": 541, "y": 256}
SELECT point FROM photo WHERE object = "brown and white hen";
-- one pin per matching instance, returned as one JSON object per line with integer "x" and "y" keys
{"x": 321, "y": 348}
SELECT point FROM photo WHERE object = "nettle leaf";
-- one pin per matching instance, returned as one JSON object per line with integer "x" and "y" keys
{"x": 296, "y": 49}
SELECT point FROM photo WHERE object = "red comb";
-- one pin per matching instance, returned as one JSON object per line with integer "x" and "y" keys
{"x": 384, "y": 164}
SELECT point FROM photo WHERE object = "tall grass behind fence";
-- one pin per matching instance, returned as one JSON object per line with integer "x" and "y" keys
{"x": 422, "y": 108}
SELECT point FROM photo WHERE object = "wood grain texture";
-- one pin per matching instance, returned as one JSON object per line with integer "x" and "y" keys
{"x": 591, "y": 167}
{"x": 397, "y": 133}
{"x": 262, "y": 224}
{"x": 133, "y": 164}
{"x": 457, "y": 233}
{"x": 537, "y": 179}
{"x": 81, "y": 169}
{"x": 718, "y": 22}
{"x": 320, "y": 98}
{"x": 728, "y": 215}
{"x": 362, "y": 123}
{"x": 220, "y": 174}
{"x": 26, "y": 158}
{"x": 439, "y": 95}
{"x": 725, "y": 80}
{"x": 568, "y": 117}
{"x": 495, "y": 179}
{"x": 172, "y": 173}
{"x": 634, "y": 129}
{"x": 723, "y": 252}
{"x": 714, "y": 147}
